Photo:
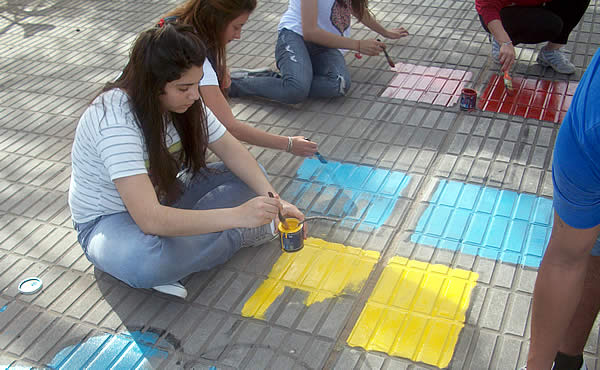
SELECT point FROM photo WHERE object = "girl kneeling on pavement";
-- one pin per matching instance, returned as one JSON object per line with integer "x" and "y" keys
{"x": 147, "y": 207}
{"x": 217, "y": 23}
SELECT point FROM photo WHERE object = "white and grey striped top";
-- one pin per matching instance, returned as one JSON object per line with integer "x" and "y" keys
{"x": 110, "y": 145}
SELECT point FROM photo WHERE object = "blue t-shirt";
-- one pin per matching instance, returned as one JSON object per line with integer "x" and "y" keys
{"x": 576, "y": 165}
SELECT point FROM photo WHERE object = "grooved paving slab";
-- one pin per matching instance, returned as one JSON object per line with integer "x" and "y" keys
{"x": 358, "y": 194}
{"x": 322, "y": 269}
{"x": 416, "y": 311}
{"x": 533, "y": 98}
{"x": 497, "y": 224}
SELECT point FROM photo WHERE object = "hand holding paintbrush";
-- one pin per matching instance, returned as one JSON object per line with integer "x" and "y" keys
{"x": 387, "y": 56}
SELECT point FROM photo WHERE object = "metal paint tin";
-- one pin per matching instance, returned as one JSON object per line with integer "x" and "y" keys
{"x": 292, "y": 237}
{"x": 468, "y": 99}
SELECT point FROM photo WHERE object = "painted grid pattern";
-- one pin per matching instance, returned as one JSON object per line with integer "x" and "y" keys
{"x": 416, "y": 311}
{"x": 497, "y": 224}
{"x": 533, "y": 98}
{"x": 322, "y": 269}
{"x": 358, "y": 194}
{"x": 433, "y": 85}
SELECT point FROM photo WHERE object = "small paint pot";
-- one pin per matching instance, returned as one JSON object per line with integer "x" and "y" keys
{"x": 468, "y": 99}
{"x": 292, "y": 237}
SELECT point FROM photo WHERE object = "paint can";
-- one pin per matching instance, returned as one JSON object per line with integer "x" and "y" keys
{"x": 292, "y": 237}
{"x": 468, "y": 99}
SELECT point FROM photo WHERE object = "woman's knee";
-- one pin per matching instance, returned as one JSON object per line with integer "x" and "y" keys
{"x": 295, "y": 91}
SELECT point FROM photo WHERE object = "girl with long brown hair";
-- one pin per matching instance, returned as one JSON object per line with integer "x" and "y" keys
{"x": 147, "y": 207}
{"x": 313, "y": 36}
{"x": 218, "y": 22}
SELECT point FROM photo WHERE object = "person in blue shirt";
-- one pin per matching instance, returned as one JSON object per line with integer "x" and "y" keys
{"x": 566, "y": 297}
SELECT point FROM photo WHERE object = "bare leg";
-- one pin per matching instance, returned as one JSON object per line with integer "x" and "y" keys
{"x": 576, "y": 336}
{"x": 558, "y": 290}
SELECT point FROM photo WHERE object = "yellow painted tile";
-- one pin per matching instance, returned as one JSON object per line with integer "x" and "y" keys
{"x": 416, "y": 311}
{"x": 322, "y": 269}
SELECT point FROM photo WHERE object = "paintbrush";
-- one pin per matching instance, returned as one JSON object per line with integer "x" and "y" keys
{"x": 387, "y": 56}
{"x": 319, "y": 155}
{"x": 508, "y": 84}
{"x": 281, "y": 218}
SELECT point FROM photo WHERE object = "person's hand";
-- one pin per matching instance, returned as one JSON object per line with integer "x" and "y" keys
{"x": 371, "y": 47}
{"x": 507, "y": 56}
{"x": 227, "y": 79}
{"x": 303, "y": 147}
{"x": 258, "y": 211}
{"x": 290, "y": 210}
{"x": 395, "y": 33}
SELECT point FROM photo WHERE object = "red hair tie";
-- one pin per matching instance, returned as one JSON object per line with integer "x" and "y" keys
{"x": 161, "y": 23}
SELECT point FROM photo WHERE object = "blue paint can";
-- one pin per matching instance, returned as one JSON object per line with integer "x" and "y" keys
{"x": 468, "y": 99}
{"x": 292, "y": 237}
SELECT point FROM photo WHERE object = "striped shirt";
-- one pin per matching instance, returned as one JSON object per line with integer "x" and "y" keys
{"x": 109, "y": 145}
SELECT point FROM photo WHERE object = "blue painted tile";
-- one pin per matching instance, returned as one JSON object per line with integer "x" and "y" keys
{"x": 359, "y": 194}
{"x": 487, "y": 222}
{"x": 124, "y": 351}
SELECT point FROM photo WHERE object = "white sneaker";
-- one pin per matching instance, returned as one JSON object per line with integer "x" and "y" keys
{"x": 256, "y": 72}
{"x": 175, "y": 289}
{"x": 253, "y": 237}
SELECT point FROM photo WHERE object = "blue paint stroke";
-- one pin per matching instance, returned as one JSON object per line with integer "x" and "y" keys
{"x": 4, "y": 308}
{"x": 358, "y": 194}
{"x": 487, "y": 222}
{"x": 123, "y": 351}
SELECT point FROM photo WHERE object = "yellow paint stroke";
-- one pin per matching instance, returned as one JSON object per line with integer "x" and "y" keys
{"x": 322, "y": 269}
{"x": 416, "y": 311}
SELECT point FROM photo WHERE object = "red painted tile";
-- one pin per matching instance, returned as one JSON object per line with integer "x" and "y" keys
{"x": 497, "y": 94}
{"x": 492, "y": 106}
{"x": 524, "y": 97}
{"x": 521, "y": 110}
{"x": 539, "y": 98}
{"x": 549, "y": 115}
{"x": 544, "y": 86}
{"x": 506, "y": 107}
{"x": 561, "y": 116}
{"x": 560, "y": 87}
{"x": 529, "y": 84}
{"x": 554, "y": 102}
{"x": 534, "y": 112}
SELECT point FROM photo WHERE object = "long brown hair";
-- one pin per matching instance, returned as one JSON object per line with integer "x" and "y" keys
{"x": 359, "y": 7}
{"x": 158, "y": 56}
{"x": 210, "y": 18}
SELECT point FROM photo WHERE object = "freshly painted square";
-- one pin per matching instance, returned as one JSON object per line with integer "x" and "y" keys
{"x": 497, "y": 224}
{"x": 416, "y": 311}
{"x": 431, "y": 85}
{"x": 321, "y": 269}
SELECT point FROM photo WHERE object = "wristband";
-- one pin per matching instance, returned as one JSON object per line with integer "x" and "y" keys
{"x": 507, "y": 43}
{"x": 290, "y": 144}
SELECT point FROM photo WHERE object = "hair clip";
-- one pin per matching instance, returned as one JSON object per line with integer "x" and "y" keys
{"x": 161, "y": 23}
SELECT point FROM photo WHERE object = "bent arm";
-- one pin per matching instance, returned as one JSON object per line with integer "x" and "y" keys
{"x": 215, "y": 100}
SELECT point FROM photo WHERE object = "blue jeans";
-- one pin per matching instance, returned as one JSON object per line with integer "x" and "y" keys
{"x": 307, "y": 70}
{"x": 116, "y": 245}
